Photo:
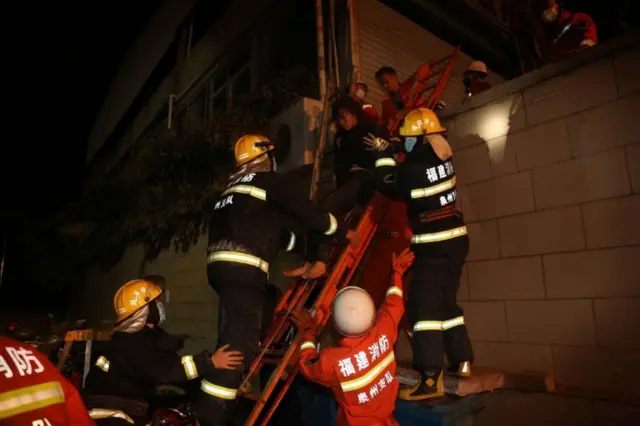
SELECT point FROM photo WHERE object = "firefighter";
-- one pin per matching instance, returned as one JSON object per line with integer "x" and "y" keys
{"x": 139, "y": 356}
{"x": 354, "y": 172}
{"x": 33, "y": 392}
{"x": 426, "y": 181}
{"x": 361, "y": 369}
{"x": 400, "y": 94}
{"x": 358, "y": 91}
{"x": 572, "y": 32}
{"x": 474, "y": 78}
{"x": 245, "y": 236}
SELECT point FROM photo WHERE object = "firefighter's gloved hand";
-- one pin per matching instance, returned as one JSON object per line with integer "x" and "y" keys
{"x": 302, "y": 319}
{"x": 227, "y": 360}
{"x": 403, "y": 261}
{"x": 375, "y": 143}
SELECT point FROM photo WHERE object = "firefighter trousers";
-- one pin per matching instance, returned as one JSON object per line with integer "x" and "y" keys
{"x": 243, "y": 300}
{"x": 432, "y": 309}
{"x": 357, "y": 189}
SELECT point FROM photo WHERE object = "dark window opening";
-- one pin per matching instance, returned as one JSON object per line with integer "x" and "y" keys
{"x": 239, "y": 56}
{"x": 181, "y": 122}
{"x": 197, "y": 111}
{"x": 220, "y": 102}
{"x": 220, "y": 78}
{"x": 242, "y": 83}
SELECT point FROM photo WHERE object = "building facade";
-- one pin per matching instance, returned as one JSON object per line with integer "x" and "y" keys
{"x": 198, "y": 72}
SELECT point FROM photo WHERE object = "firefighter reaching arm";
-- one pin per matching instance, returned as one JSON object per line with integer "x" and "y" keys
{"x": 361, "y": 368}
{"x": 392, "y": 310}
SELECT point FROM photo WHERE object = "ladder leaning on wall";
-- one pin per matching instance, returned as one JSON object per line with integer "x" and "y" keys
{"x": 281, "y": 344}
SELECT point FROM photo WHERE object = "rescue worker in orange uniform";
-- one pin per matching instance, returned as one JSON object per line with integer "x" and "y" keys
{"x": 426, "y": 181}
{"x": 361, "y": 370}
{"x": 401, "y": 94}
{"x": 245, "y": 235}
{"x": 33, "y": 392}
{"x": 139, "y": 356}
{"x": 358, "y": 91}
{"x": 474, "y": 78}
{"x": 354, "y": 172}
{"x": 572, "y": 32}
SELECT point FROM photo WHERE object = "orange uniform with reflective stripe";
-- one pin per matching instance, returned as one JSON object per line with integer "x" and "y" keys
{"x": 361, "y": 371}
{"x": 33, "y": 392}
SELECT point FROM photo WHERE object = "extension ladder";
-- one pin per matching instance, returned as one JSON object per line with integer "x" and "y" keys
{"x": 342, "y": 267}
{"x": 442, "y": 70}
{"x": 342, "y": 264}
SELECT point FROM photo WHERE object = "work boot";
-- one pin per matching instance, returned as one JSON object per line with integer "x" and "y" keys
{"x": 317, "y": 270}
{"x": 461, "y": 369}
{"x": 298, "y": 272}
{"x": 431, "y": 386}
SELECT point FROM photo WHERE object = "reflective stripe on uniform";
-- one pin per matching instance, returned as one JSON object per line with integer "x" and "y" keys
{"x": 427, "y": 326}
{"x": 307, "y": 345}
{"x": 433, "y": 190}
{"x": 237, "y": 257}
{"x": 439, "y": 236}
{"x": 381, "y": 162}
{"x": 394, "y": 290}
{"x": 103, "y": 413}
{"x": 292, "y": 241}
{"x": 454, "y": 322}
{"x": 369, "y": 377}
{"x": 189, "y": 367}
{"x": 333, "y": 225}
{"x": 438, "y": 325}
{"x": 30, "y": 398}
{"x": 252, "y": 191}
{"x": 103, "y": 364}
{"x": 218, "y": 391}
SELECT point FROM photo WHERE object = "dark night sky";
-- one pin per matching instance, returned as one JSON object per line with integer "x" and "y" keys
{"x": 60, "y": 58}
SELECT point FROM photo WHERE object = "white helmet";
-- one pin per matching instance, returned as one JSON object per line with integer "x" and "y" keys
{"x": 353, "y": 311}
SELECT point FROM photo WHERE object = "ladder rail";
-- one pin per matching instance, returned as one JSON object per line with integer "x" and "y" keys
{"x": 343, "y": 272}
{"x": 437, "y": 90}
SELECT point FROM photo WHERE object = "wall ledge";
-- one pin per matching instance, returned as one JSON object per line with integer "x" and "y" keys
{"x": 546, "y": 73}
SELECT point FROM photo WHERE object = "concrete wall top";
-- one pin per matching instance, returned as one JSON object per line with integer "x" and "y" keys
{"x": 389, "y": 38}
{"x": 545, "y": 73}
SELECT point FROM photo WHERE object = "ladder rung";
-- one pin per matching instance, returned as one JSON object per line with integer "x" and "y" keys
{"x": 446, "y": 58}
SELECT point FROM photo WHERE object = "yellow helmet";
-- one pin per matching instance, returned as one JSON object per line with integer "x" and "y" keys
{"x": 419, "y": 122}
{"x": 478, "y": 66}
{"x": 134, "y": 295}
{"x": 252, "y": 146}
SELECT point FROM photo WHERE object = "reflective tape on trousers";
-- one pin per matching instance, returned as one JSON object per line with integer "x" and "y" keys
{"x": 218, "y": 391}
{"x": 439, "y": 236}
{"x": 237, "y": 257}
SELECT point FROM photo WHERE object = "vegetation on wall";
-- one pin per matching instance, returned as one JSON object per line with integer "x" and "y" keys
{"x": 159, "y": 196}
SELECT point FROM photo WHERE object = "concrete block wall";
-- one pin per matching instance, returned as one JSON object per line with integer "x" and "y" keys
{"x": 549, "y": 183}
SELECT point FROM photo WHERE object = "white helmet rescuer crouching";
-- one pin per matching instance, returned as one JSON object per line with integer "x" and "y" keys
{"x": 353, "y": 312}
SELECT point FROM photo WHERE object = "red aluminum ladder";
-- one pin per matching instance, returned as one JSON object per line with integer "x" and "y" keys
{"x": 342, "y": 264}
{"x": 442, "y": 70}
